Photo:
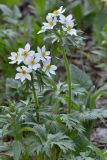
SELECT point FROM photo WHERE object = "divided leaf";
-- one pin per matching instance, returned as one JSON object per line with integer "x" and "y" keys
{"x": 80, "y": 77}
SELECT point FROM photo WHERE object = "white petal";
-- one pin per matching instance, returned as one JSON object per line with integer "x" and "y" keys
{"x": 41, "y": 31}
{"x": 28, "y": 76}
{"x": 64, "y": 28}
{"x": 44, "y": 68}
{"x": 69, "y": 17}
{"x": 47, "y": 62}
{"x": 36, "y": 66}
{"x": 60, "y": 8}
{"x": 20, "y": 59}
{"x": 73, "y": 32}
{"x": 47, "y": 57}
{"x": 37, "y": 56}
{"x": 12, "y": 62}
{"x": 24, "y": 67}
{"x": 27, "y": 60}
{"x": 47, "y": 53}
{"x": 29, "y": 70}
{"x": 51, "y": 14}
{"x": 31, "y": 53}
{"x": 18, "y": 76}
{"x": 48, "y": 17}
{"x": 52, "y": 72}
{"x": 19, "y": 69}
{"x": 38, "y": 49}
{"x": 70, "y": 23}
{"x": 46, "y": 25}
{"x": 43, "y": 59}
{"x": 43, "y": 49}
{"x": 47, "y": 72}
{"x": 22, "y": 78}
{"x": 20, "y": 50}
{"x": 62, "y": 19}
{"x": 53, "y": 67}
{"x": 27, "y": 47}
{"x": 13, "y": 55}
{"x": 37, "y": 59}
{"x": 11, "y": 58}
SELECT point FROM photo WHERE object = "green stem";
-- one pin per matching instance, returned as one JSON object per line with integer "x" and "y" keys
{"x": 35, "y": 98}
{"x": 60, "y": 153}
{"x": 54, "y": 153}
{"x": 69, "y": 79}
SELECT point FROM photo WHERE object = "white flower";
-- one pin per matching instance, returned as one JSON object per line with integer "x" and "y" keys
{"x": 24, "y": 73}
{"x": 13, "y": 58}
{"x": 48, "y": 68}
{"x": 69, "y": 28}
{"x": 57, "y": 12}
{"x": 25, "y": 53}
{"x": 64, "y": 20}
{"x": 51, "y": 22}
{"x": 43, "y": 29}
{"x": 33, "y": 63}
{"x": 43, "y": 54}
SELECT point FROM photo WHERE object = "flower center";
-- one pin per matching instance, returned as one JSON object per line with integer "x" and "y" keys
{"x": 49, "y": 66}
{"x": 51, "y": 23}
{"x": 55, "y": 11}
{"x": 25, "y": 54}
{"x": 32, "y": 62}
{"x": 69, "y": 28}
{"x": 16, "y": 57}
{"x": 23, "y": 72}
{"x": 43, "y": 53}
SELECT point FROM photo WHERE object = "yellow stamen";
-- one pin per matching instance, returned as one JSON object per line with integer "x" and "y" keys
{"x": 32, "y": 62}
{"x": 49, "y": 66}
{"x": 23, "y": 72}
{"x": 16, "y": 57}
{"x": 69, "y": 28}
{"x": 25, "y": 54}
{"x": 56, "y": 11}
{"x": 43, "y": 53}
{"x": 51, "y": 23}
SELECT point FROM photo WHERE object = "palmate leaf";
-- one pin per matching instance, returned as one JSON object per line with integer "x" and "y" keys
{"x": 16, "y": 12}
{"x": 16, "y": 149}
{"x": 34, "y": 145}
{"x": 4, "y": 148}
{"x": 43, "y": 142}
{"x": 61, "y": 140}
{"x": 71, "y": 123}
{"x": 6, "y": 11}
{"x": 82, "y": 156}
{"x": 93, "y": 114}
{"x": 48, "y": 140}
{"x": 100, "y": 92}
{"x": 3, "y": 119}
{"x": 80, "y": 77}
{"x": 99, "y": 152}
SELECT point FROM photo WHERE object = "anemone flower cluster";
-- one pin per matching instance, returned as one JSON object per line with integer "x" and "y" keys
{"x": 29, "y": 61}
{"x": 67, "y": 23}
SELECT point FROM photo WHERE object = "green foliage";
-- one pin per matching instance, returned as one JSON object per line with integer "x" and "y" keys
{"x": 58, "y": 135}
{"x": 80, "y": 78}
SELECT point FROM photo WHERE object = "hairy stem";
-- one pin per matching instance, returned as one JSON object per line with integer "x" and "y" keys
{"x": 68, "y": 78}
{"x": 35, "y": 98}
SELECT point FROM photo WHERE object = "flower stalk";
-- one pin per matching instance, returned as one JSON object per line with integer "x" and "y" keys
{"x": 35, "y": 98}
{"x": 68, "y": 78}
